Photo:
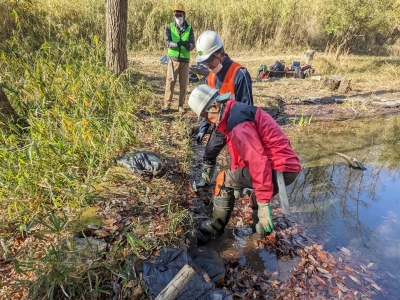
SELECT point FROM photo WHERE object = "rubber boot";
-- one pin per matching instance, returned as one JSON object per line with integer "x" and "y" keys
{"x": 223, "y": 206}
{"x": 206, "y": 175}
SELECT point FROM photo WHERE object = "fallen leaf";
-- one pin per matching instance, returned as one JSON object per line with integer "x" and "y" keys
{"x": 348, "y": 269}
{"x": 345, "y": 250}
{"x": 109, "y": 222}
{"x": 336, "y": 290}
{"x": 369, "y": 280}
{"x": 355, "y": 279}
{"x": 375, "y": 286}
{"x": 342, "y": 287}
{"x": 178, "y": 231}
{"x": 322, "y": 270}
{"x": 319, "y": 279}
{"x": 312, "y": 260}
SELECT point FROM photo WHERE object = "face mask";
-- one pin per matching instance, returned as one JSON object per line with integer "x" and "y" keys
{"x": 179, "y": 21}
{"x": 216, "y": 69}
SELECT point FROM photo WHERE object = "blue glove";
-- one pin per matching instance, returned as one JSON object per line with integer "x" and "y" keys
{"x": 199, "y": 137}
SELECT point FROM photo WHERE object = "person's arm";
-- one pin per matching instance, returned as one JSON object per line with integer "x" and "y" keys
{"x": 191, "y": 40}
{"x": 243, "y": 87}
{"x": 244, "y": 138}
{"x": 202, "y": 131}
{"x": 204, "y": 125}
{"x": 168, "y": 40}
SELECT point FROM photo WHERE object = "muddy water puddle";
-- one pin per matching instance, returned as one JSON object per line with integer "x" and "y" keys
{"x": 346, "y": 210}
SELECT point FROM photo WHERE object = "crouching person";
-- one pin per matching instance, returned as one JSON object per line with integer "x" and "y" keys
{"x": 258, "y": 149}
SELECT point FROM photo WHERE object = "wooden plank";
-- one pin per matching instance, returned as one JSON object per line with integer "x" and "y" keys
{"x": 171, "y": 291}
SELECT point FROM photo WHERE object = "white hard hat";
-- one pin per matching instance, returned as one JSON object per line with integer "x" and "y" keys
{"x": 207, "y": 43}
{"x": 203, "y": 96}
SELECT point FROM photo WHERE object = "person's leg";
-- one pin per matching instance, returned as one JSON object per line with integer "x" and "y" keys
{"x": 239, "y": 179}
{"x": 170, "y": 84}
{"x": 224, "y": 199}
{"x": 183, "y": 81}
{"x": 213, "y": 147}
{"x": 223, "y": 206}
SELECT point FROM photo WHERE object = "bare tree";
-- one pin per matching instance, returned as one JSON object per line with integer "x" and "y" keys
{"x": 116, "y": 27}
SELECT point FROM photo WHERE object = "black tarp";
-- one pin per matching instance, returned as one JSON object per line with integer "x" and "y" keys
{"x": 160, "y": 270}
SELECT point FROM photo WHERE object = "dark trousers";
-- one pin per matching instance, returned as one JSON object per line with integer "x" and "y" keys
{"x": 214, "y": 146}
{"x": 240, "y": 178}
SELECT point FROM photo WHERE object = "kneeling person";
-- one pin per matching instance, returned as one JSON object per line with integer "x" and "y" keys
{"x": 258, "y": 149}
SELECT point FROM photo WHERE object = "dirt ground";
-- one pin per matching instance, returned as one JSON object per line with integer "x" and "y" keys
{"x": 296, "y": 101}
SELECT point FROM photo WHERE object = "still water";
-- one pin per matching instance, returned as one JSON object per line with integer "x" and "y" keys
{"x": 341, "y": 206}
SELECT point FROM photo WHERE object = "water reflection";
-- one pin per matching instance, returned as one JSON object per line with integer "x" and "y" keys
{"x": 355, "y": 209}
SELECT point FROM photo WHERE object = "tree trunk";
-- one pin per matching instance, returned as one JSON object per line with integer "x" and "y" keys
{"x": 116, "y": 27}
{"x": 7, "y": 112}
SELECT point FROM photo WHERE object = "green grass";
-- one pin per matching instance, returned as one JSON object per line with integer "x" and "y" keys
{"x": 79, "y": 115}
{"x": 302, "y": 121}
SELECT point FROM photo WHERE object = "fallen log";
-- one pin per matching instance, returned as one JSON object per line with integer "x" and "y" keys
{"x": 394, "y": 103}
{"x": 171, "y": 291}
{"x": 345, "y": 85}
{"x": 341, "y": 84}
{"x": 351, "y": 161}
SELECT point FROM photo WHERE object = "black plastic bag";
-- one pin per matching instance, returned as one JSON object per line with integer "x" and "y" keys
{"x": 159, "y": 273}
{"x": 142, "y": 163}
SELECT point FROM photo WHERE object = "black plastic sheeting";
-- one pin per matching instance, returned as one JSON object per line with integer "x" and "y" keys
{"x": 210, "y": 261}
{"x": 142, "y": 163}
{"x": 157, "y": 274}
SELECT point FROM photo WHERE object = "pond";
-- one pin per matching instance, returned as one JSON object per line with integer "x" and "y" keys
{"x": 341, "y": 206}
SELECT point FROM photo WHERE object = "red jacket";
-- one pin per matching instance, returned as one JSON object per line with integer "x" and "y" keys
{"x": 256, "y": 141}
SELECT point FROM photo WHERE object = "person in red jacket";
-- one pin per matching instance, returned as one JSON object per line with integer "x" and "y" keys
{"x": 258, "y": 148}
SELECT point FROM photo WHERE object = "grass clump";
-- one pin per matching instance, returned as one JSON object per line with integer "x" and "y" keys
{"x": 79, "y": 115}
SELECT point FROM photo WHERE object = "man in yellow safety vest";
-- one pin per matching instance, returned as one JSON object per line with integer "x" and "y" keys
{"x": 179, "y": 39}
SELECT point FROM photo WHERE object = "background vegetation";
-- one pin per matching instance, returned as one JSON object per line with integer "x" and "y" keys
{"x": 52, "y": 68}
{"x": 358, "y": 26}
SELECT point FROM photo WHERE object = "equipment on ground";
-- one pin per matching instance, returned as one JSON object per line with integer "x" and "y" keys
{"x": 278, "y": 69}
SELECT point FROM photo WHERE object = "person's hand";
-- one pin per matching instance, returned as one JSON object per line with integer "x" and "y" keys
{"x": 265, "y": 216}
{"x": 186, "y": 45}
{"x": 180, "y": 43}
{"x": 199, "y": 137}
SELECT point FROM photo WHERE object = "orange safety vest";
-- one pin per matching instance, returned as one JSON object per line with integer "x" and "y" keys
{"x": 228, "y": 85}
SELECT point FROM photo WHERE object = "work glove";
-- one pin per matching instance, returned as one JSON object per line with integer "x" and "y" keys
{"x": 199, "y": 137}
{"x": 265, "y": 216}
{"x": 180, "y": 43}
{"x": 186, "y": 45}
